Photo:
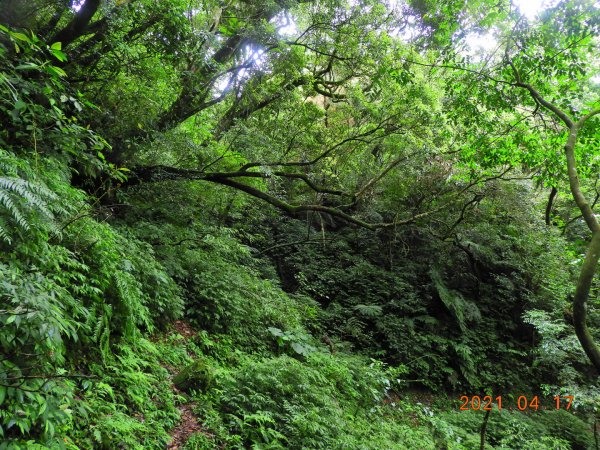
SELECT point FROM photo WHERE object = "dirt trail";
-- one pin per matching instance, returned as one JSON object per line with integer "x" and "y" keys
{"x": 187, "y": 426}
{"x": 188, "y": 423}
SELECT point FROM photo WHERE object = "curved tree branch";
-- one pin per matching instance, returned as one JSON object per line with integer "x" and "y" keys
{"x": 592, "y": 255}
{"x": 358, "y": 137}
{"x": 163, "y": 173}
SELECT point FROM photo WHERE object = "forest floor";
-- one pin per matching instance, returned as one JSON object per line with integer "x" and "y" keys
{"x": 188, "y": 422}
{"x": 187, "y": 426}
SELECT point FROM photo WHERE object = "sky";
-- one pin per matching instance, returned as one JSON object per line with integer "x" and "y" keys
{"x": 529, "y": 8}
{"x": 476, "y": 43}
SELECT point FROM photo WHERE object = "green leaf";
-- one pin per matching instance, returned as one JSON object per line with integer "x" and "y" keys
{"x": 20, "y": 36}
{"x": 56, "y": 46}
{"x": 275, "y": 331}
{"x": 299, "y": 348}
{"x": 56, "y": 71}
{"x": 27, "y": 66}
{"x": 59, "y": 55}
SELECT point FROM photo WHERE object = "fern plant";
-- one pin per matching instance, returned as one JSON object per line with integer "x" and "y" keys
{"x": 24, "y": 204}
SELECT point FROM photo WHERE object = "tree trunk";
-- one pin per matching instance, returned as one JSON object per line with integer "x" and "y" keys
{"x": 582, "y": 292}
{"x": 77, "y": 26}
{"x": 551, "y": 198}
{"x": 484, "y": 424}
{"x": 590, "y": 262}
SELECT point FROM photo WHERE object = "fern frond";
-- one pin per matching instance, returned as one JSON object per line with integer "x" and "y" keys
{"x": 14, "y": 184}
{"x": 462, "y": 309}
{"x": 4, "y": 236}
{"x": 98, "y": 322}
{"x": 354, "y": 326}
{"x": 21, "y": 200}
{"x": 34, "y": 193}
{"x": 7, "y": 202}
{"x": 369, "y": 310}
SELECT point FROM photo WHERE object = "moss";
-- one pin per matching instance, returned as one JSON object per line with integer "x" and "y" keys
{"x": 197, "y": 376}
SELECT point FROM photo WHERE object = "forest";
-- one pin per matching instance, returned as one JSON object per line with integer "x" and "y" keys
{"x": 299, "y": 224}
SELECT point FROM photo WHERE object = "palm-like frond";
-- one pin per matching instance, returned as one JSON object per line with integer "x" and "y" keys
{"x": 22, "y": 203}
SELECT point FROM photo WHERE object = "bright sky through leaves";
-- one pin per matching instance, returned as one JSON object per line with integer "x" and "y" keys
{"x": 529, "y": 8}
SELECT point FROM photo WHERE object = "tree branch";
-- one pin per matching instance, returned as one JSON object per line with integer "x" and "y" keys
{"x": 325, "y": 154}
{"x": 546, "y": 104}
{"x": 163, "y": 173}
{"x": 291, "y": 244}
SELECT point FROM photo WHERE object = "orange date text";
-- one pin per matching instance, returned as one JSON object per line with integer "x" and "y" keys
{"x": 521, "y": 403}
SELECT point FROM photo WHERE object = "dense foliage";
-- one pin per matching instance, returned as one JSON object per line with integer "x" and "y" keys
{"x": 298, "y": 224}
